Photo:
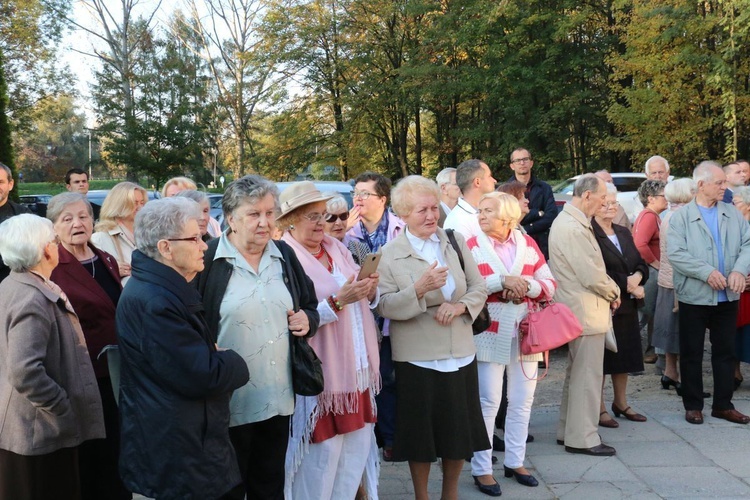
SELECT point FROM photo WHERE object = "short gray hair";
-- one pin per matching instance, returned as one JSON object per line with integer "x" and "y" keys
{"x": 249, "y": 189}
{"x": 743, "y": 193}
{"x": 444, "y": 176}
{"x": 611, "y": 188}
{"x": 402, "y": 196}
{"x": 680, "y": 190}
{"x": 58, "y": 203}
{"x": 163, "y": 219}
{"x": 466, "y": 172}
{"x": 650, "y": 188}
{"x": 336, "y": 204}
{"x": 654, "y": 158}
{"x": 704, "y": 170}
{"x": 22, "y": 241}
{"x": 586, "y": 182}
{"x": 195, "y": 195}
{"x": 7, "y": 170}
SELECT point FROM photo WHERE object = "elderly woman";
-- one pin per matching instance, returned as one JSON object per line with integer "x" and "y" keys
{"x": 114, "y": 231}
{"x": 626, "y": 267}
{"x": 175, "y": 383}
{"x": 177, "y": 185}
{"x": 741, "y": 200}
{"x": 49, "y": 403}
{"x": 432, "y": 302}
{"x": 91, "y": 280}
{"x": 201, "y": 199}
{"x": 374, "y": 226}
{"x": 338, "y": 220}
{"x": 249, "y": 308}
{"x": 515, "y": 271}
{"x": 333, "y": 437}
{"x": 646, "y": 238}
{"x": 666, "y": 337}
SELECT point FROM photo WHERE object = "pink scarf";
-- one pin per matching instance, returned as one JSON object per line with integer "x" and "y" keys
{"x": 333, "y": 342}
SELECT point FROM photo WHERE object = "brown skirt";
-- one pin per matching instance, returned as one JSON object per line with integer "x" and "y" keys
{"x": 438, "y": 414}
{"x": 53, "y": 476}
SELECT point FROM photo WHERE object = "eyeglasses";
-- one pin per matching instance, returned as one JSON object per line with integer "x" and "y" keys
{"x": 331, "y": 218}
{"x": 612, "y": 203}
{"x": 313, "y": 217}
{"x": 521, "y": 160}
{"x": 362, "y": 194}
{"x": 194, "y": 239}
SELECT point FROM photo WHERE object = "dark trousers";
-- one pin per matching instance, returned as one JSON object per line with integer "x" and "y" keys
{"x": 386, "y": 400}
{"x": 53, "y": 476}
{"x": 261, "y": 450}
{"x": 721, "y": 321}
{"x": 98, "y": 458}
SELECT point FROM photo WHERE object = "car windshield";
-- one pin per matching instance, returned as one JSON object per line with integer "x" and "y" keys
{"x": 623, "y": 184}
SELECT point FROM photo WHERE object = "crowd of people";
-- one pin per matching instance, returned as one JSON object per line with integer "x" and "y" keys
{"x": 146, "y": 350}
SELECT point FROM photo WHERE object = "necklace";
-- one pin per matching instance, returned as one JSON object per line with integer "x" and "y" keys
{"x": 329, "y": 260}
{"x": 93, "y": 266}
{"x": 320, "y": 253}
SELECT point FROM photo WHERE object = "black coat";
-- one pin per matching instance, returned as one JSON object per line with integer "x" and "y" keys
{"x": 541, "y": 199}
{"x": 9, "y": 210}
{"x": 621, "y": 265}
{"x": 174, "y": 390}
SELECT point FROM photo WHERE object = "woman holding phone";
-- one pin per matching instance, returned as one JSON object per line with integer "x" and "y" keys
{"x": 332, "y": 443}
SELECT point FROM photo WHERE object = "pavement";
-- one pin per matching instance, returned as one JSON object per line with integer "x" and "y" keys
{"x": 665, "y": 457}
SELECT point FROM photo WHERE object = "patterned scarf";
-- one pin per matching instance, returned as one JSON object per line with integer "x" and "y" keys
{"x": 379, "y": 237}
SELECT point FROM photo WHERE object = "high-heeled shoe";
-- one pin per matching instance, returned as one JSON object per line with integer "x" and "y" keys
{"x": 492, "y": 490}
{"x": 611, "y": 423}
{"x": 633, "y": 417}
{"x": 666, "y": 382}
{"x": 524, "y": 479}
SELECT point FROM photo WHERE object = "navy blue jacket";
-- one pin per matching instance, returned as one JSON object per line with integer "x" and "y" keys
{"x": 540, "y": 197}
{"x": 174, "y": 390}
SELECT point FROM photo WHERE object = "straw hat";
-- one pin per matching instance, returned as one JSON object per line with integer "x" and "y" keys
{"x": 298, "y": 195}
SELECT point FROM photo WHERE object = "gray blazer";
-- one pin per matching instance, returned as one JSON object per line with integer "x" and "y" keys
{"x": 49, "y": 398}
{"x": 693, "y": 252}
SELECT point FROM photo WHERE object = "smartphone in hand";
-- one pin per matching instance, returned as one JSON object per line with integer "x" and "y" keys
{"x": 369, "y": 266}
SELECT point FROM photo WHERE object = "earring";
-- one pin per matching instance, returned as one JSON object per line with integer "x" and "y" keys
{"x": 291, "y": 226}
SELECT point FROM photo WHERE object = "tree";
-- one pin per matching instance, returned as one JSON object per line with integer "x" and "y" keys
{"x": 6, "y": 147}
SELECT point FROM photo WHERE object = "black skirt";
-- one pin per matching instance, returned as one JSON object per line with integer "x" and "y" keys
{"x": 438, "y": 414}
{"x": 629, "y": 356}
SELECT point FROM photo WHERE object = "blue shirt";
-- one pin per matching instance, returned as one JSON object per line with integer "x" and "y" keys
{"x": 711, "y": 218}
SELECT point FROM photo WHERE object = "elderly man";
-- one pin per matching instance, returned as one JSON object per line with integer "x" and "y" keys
{"x": 737, "y": 175}
{"x": 709, "y": 248}
{"x": 542, "y": 208}
{"x": 474, "y": 179}
{"x": 449, "y": 192}
{"x": 585, "y": 287}
{"x": 657, "y": 168}
{"x": 8, "y": 208}
{"x": 621, "y": 218}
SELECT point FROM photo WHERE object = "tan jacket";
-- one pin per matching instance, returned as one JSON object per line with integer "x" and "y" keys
{"x": 49, "y": 398}
{"x": 582, "y": 281}
{"x": 415, "y": 334}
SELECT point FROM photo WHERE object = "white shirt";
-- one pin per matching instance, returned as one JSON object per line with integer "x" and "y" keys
{"x": 463, "y": 218}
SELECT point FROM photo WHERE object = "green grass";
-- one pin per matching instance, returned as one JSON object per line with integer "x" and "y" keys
{"x": 56, "y": 187}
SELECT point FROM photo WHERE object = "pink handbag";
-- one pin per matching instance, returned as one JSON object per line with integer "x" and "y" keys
{"x": 547, "y": 328}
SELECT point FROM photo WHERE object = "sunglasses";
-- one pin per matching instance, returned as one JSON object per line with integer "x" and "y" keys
{"x": 331, "y": 218}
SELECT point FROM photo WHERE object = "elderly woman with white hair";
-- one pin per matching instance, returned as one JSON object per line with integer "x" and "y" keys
{"x": 516, "y": 273}
{"x": 49, "y": 402}
{"x": 201, "y": 199}
{"x": 432, "y": 299}
{"x": 175, "y": 382}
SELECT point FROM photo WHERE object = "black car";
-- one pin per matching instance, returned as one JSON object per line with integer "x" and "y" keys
{"x": 37, "y": 203}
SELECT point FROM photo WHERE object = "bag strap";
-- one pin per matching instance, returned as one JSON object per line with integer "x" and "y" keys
{"x": 454, "y": 244}
{"x": 291, "y": 278}
{"x": 546, "y": 368}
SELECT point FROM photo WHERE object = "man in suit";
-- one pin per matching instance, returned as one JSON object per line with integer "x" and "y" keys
{"x": 584, "y": 286}
{"x": 542, "y": 208}
{"x": 737, "y": 175}
{"x": 8, "y": 208}
{"x": 449, "y": 192}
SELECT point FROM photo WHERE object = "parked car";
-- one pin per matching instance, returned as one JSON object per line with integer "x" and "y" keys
{"x": 343, "y": 188}
{"x": 37, "y": 203}
{"x": 214, "y": 202}
{"x": 627, "y": 184}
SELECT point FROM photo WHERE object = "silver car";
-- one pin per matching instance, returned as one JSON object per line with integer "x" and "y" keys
{"x": 627, "y": 184}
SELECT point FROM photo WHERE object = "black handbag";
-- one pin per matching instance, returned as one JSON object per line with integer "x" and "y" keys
{"x": 307, "y": 369}
{"x": 483, "y": 320}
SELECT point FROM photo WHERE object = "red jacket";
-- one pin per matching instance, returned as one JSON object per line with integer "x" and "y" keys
{"x": 94, "y": 308}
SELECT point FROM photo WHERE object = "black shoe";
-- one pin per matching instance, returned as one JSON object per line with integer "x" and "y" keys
{"x": 524, "y": 479}
{"x": 561, "y": 442}
{"x": 666, "y": 382}
{"x": 494, "y": 459}
{"x": 601, "y": 450}
{"x": 492, "y": 490}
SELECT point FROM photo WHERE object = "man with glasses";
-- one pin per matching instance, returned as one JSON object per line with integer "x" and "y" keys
{"x": 449, "y": 192}
{"x": 376, "y": 226}
{"x": 542, "y": 208}
{"x": 8, "y": 208}
{"x": 474, "y": 179}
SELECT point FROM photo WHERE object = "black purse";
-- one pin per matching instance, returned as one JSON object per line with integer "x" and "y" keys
{"x": 307, "y": 369}
{"x": 483, "y": 320}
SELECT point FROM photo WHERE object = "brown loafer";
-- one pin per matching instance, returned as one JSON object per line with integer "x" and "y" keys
{"x": 731, "y": 415}
{"x": 694, "y": 416}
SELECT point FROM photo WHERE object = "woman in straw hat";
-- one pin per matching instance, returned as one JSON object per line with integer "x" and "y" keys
{"x": 333, "y": 440}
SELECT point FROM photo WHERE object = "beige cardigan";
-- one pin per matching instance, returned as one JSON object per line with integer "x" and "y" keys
{"x": 415, "y": 334}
